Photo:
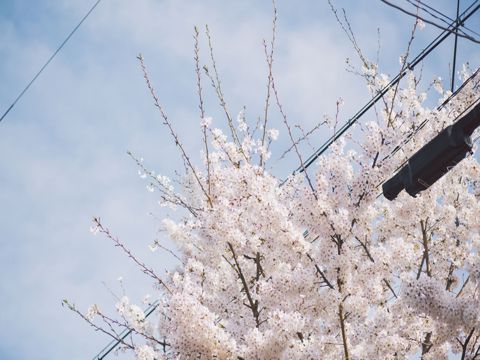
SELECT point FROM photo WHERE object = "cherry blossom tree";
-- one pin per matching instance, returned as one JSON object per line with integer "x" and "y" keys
{"x": 320, "y": 265}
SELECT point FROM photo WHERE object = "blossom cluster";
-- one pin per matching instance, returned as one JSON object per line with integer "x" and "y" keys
{"x": 276, "y": 270}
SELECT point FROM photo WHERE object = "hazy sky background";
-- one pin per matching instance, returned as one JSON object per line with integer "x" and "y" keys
{"x": 63, "y": 147}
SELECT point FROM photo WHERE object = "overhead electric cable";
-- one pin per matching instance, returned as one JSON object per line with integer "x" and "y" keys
{"x": 442, "y": 17}
{"x": 410, "y": 66}
{"x": 115, "y": 342}
{"x": 50, "y": 59}
{"x": 430, "y": 11}
{"x": 454, "y": 62}
{"x": 419, "y": 2}
{"x": 418, "y": 17}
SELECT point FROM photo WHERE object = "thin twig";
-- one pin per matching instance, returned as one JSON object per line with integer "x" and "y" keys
{"x": 200, "y": 99}
{"x": 110, "y": 320}
{"x": 347, "y": 29}
{"x": 305, "y": 136}
{"x": 464, "y": 345}
{"x": 167, "y": 123}
{"x": 463, "y": 286}
{"x": 95, "y": 326}
{"x": 285, "y": 121}
{"x": 403, "y": 68}
{"x": 341, "y": 317}
{"x": 148, "y": 271}
{"x": 364, "y": 246}
{"x": 390, "y": 287}
{"x": 216, "y": 83}
{"x": 167, "y": 195}
{"x": 157, "y": 243}
{"x": 425, "y": 241}
{"x": 321, "y": 273}
{"x": 269, "y": 58}
{"x": 253, "y": 304}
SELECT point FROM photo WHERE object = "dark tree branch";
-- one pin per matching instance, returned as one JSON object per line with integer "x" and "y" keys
{"x": 252, "y": 304}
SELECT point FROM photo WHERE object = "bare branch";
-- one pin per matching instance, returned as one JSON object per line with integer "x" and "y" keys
{"x": 200, "y": 99}
{"x": 427, "y": 343}
{"x": 148, "y": 271}
{"x": 166, "y": 195}
{"x": 253, "y": 304}
{"x": 269, "y": 58}
{"x": 113, "y": 335}
{"x": 464, "y": 345}
{"x": 287, "y": 125}
{"x": 109, "y": 320}
{"x": 341, "y": 317}
{"x": 305, "y": 136}
{"x": 364, "y": 246}
{"x": 403, "y": 68}
{"x": 167, "y": 123}
{"x": 157, "y": 243}
{"x": 390, "y": 287}
{"x": 347, "y": 29}
{"x": 216, "y": 84}
{"x": 463, "y": 287}
{"x": 425, "y": 256}
{"x": 321, "y": 273}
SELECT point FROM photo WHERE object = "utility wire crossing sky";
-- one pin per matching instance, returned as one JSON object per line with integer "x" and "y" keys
{"x": 50, "y": 59}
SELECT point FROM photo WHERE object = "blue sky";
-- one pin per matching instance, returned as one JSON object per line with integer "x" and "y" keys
{"x": 63, "y": 147}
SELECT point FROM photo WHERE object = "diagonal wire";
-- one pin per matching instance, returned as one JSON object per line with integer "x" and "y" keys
{"x": 446, "y": 16}
{"x": 442, "y": 17}
{"x": 50, "y": 59}
{"x": 115, "y": 342}
{"x": 471, "y": 38}
{"x": 430, "y": 10}
{"x": 455, "y": 46}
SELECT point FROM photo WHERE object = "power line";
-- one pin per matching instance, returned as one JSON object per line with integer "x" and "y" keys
{"x": 115, "y": 342}
{"x": 455, "y": 48}
{"x": 431, "y": 11}
{"x": 50, "y": 59}
{"x": 416, "y": 16}
{"x": 436, "y": 42}
{"x": 419, "y": 2}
